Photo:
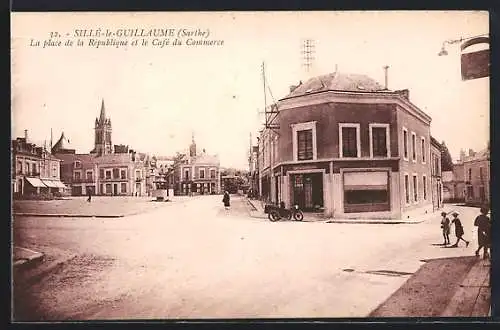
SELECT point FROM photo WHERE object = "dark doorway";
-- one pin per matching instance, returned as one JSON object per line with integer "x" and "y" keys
{"x": 115, "y": 189}
{"x": 308, "y": 191}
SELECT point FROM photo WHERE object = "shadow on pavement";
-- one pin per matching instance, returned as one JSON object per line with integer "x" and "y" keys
{"x": 442, "y": 287}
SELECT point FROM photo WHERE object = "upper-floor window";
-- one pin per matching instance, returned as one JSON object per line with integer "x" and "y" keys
{"x": 470, "y": 174}
{"x": 78, "y": 175}
{"x": 116, "y": 173}
{"x": 423, "y": 149}
{"x": 78, "y": 164}
{"x": 202, "y": 173}
{"x": 304, "y": 145}
{"x": 379, "y": 140}
{"x": 33, "y": 169}
{"x": 186, "y": 175}
{"x": 137, "y": 174}
{"x": 89, "y": 175}
{"x": 123, "y": 174}
{"x": 350, "y": 144}
{"x": 20, "y": 167}
{"x": 413, "y": 146}
{"x": 212, "y": 174}
{"x": 480, "y": 173}
{"x": 304, "y": 141}
{"x": 101, "y": 173}
{"x": 405, "y": 143}
{"x": 108, "y": 174}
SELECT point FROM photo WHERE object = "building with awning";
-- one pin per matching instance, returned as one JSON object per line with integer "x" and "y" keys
{"x": 31, "y": 166}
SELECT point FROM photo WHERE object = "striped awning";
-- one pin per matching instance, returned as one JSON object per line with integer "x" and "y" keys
{"x": 53, "y": 183}
{"x": 36, "y": 182}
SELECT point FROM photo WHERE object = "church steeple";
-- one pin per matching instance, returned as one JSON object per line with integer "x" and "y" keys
{"x": 102, "y": 143}
{"x": 192, "y": 147}
{"x": 102, "y": 116}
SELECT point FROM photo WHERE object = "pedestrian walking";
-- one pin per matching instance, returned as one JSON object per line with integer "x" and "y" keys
{"x": 459, "y": 230}
{"x": 226, "y": 200}
{"x": 483, "y": 224}
{"x": 445, "y": 226}
{"x": 89, "y": 194}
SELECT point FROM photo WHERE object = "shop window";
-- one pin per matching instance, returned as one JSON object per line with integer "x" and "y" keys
{"x": 108, "y": 189}
{"x": 123, "y": 188}
{"x": 349, "y": 140}
{"x": 366, "y": 192}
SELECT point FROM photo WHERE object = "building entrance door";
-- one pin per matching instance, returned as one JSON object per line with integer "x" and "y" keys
{"x": 115, "y": 189}
{"x": 307, "y": 191}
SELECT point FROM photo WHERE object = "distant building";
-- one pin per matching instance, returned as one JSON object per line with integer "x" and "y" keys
{"x": 106, "y": 170}
{"x": 477, "y": 178}
{"x": 345, "y": 146}
{"x": 436, "y": 175}
{"x": 34, "y": 169}
{"x": 198, "y": 173}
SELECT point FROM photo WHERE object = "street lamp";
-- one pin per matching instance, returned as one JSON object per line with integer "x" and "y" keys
{"x": 475, "y": 64}
{"x": 444, "y": 52}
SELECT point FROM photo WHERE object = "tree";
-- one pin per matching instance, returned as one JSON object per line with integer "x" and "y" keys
{"x": 446, "y": 160}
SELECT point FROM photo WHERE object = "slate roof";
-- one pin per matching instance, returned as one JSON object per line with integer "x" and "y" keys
{"x": 348, "y": 82}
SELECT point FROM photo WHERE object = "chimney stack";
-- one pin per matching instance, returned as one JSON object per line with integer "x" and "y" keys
{"x": 471, "y": 152}
{"x": 26, "y": 135}
{"x": 386, "y": 72}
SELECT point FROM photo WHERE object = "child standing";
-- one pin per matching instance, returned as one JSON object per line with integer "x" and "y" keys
{"x": 459, "y": 230}
{"x": 445, "y": 226}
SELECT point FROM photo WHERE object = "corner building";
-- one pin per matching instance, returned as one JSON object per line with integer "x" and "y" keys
{"x": 348, "y": 147}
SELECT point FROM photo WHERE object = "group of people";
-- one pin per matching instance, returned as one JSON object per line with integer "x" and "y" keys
{"x": 483, "y": 224}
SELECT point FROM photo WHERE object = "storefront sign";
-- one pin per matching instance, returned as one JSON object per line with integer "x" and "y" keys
{"x": 476, "y": 64}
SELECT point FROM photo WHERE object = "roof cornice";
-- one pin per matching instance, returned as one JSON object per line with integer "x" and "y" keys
{"x": 331, "y": 96}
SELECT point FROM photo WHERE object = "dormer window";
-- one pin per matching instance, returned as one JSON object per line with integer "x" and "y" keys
{"x": 78, "y": 164}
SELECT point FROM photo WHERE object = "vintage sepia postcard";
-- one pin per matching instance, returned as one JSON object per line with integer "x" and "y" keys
{"x": 250, "y": 165}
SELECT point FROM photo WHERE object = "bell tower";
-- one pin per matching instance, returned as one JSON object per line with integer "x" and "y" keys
{"x": 102, "y": 128}
{"x": 192, "y": 147}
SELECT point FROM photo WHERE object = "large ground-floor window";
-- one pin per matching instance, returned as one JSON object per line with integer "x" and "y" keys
{"x": 366, "y": 191}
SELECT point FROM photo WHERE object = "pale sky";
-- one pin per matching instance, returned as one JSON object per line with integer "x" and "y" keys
{"x": 156, "y": 97}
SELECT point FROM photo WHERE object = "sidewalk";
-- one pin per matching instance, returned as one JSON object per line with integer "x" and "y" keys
{"x": 258, "y": 212}
{"x": 445, "y": 287}
{"x": 25, "y": 257}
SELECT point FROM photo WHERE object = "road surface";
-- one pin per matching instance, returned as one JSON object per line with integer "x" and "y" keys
{"x": 193, "y": 259}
